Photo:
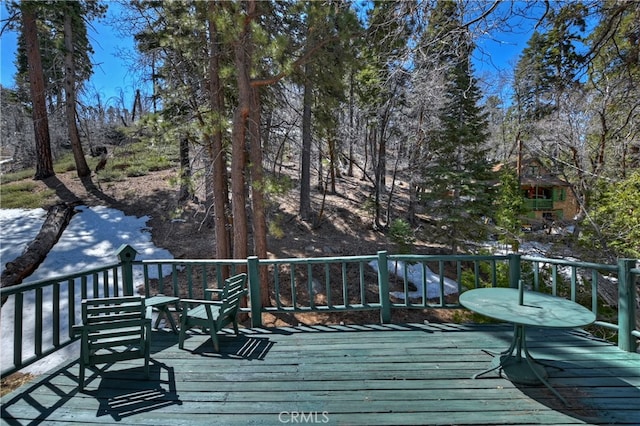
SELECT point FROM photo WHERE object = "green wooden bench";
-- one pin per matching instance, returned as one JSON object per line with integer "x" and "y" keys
{"x": 214, "y": 315}
{"x": 113, "y": 329}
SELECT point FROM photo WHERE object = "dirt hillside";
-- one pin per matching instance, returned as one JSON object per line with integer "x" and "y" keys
{"x": 345, "y": 227}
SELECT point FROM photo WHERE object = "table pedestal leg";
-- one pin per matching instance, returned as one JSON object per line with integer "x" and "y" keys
{"x": 161, "y": 303}
{"x": 163, "y": 311}
{"x": 518, "y": 366}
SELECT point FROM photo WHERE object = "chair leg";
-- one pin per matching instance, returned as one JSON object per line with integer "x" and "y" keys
{"x": 214, "y": 338}
{"x": 147, "y": 352}
{"x": 84, "y": 360}
{"x": 81, "y": 376}
{"x": 183, "y": 330}
{"x": 146, "y": 366}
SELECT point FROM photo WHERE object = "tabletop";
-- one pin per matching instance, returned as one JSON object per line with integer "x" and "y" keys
{"x": 537, "y": 309}
{"x": 160, "y": 299}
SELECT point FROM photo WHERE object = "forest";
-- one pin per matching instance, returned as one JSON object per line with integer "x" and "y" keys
{"x": 386, "y": 91}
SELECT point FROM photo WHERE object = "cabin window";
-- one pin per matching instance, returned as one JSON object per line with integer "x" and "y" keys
{"x": 539, "y": 193}
{"x": 559, "y": 194}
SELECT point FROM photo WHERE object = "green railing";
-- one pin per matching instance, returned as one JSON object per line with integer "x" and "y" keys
{"x": 581, "y": 280}
{"x": 538, "y": 204}
{"x": 37, "y": 316}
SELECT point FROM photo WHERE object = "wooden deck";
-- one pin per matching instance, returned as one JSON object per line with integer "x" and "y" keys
{"x": 353, "y": 375}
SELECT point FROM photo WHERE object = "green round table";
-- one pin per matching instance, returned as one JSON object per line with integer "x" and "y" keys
{"x": 524, "y": 308}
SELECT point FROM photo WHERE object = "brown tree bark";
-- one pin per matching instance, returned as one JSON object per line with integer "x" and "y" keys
{"x": 44, "y": 160}
{"x": 305, "y": 160}
{"x": 242, "y": 59}
{"x": 257, "y": 193}
{"x": 216, "y": 150}
{"x": 246, "y": 132}
{"x": 82, "y": 169}
{"x": 185, "y": 192}
{"x": 58, "y": 218}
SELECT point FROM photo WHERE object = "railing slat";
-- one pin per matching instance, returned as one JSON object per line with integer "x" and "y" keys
{"x": 276, "y": 285}
{"x": 38, "y": 323}
{"x": 56, "y": 314}
{"x": 594, "y": 292}
{"x": 160, "y": 279}
{"x": 17, "y": 328}
{"x": 294, "y": 299}
{"x": 204, "y": 282}
{"x": 71, "y": 291}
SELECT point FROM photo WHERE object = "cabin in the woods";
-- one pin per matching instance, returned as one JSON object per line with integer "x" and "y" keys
{"x": 547, "y": 197}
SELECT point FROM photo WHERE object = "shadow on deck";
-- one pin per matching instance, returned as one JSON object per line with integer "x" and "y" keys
{"x": 349, "y": 374}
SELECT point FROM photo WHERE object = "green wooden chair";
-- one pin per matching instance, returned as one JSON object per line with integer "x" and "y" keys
{"x": 113, "y": 329}
{"x": 214, "y": 315}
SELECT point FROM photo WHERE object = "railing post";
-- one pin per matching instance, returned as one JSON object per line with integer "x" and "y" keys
{"x": 514, "y": 270}
{"x": 255, "y": 300}
{"x": 626, "y": 305}
{"x": 383, "y": 288}
{"x": 127, "y": 255}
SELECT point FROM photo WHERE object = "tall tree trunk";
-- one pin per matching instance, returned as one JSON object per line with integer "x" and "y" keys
{"x": 238, "y": 193}
{"x": 331, "y": 144}
{"x": 320, "y": 174}
{"x": 82, "y": 169}
{"x": 44, "y": 160}
{"x": 185, "y": 171}
{"x": 414, "y": 159}
{"x": 136, "y": 111}
{"x": 257, "y": 193}
{"x": 377, "y": 186}
{"x": 352, "y": 130}
{"x": 305, "y": 160}
{"x": 216, "y": 150}
{"x": 381, "y": 168}
{"x": 239, "y": 134}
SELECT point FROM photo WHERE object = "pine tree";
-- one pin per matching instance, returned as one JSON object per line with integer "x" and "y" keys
{"x": 44, "y": 159}
{"x": 75, "y": 34}
{"x": 328, "y": 29}
{"x": 615, "y": 215}
{"x": 509, "y": 209}
{"x": 64, "y": 64}
{"x": 458, "y": 177}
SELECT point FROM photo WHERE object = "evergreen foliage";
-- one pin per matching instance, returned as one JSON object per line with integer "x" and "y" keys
{"x": 51, "y": 39}
{"x": 615, "y": 210}
{"x": 391, "y": 82}
{"x": 509, "y": 209}
{"x": 400, "y": 232}
{"x": 459, "y": 176}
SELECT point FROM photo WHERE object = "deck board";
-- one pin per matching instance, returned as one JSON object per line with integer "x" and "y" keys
{"x": 354, "y": 375}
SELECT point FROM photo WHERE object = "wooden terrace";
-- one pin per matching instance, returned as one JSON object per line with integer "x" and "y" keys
{"x": 398, "y": 372}
{"x": 381, "y": 374}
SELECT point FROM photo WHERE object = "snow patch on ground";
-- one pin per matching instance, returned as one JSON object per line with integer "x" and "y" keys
{"x": 90, "y": 241}
{"x": 414, "y": 274}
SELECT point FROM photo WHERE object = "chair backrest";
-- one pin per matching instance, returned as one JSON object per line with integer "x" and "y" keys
{"x": 124, "y": 316}
{"x": 233, "y": 292}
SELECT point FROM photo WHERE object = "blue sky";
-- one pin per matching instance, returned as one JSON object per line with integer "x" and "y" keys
{"x": 112, "y": 78}
{"x": 111, "y": 75}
